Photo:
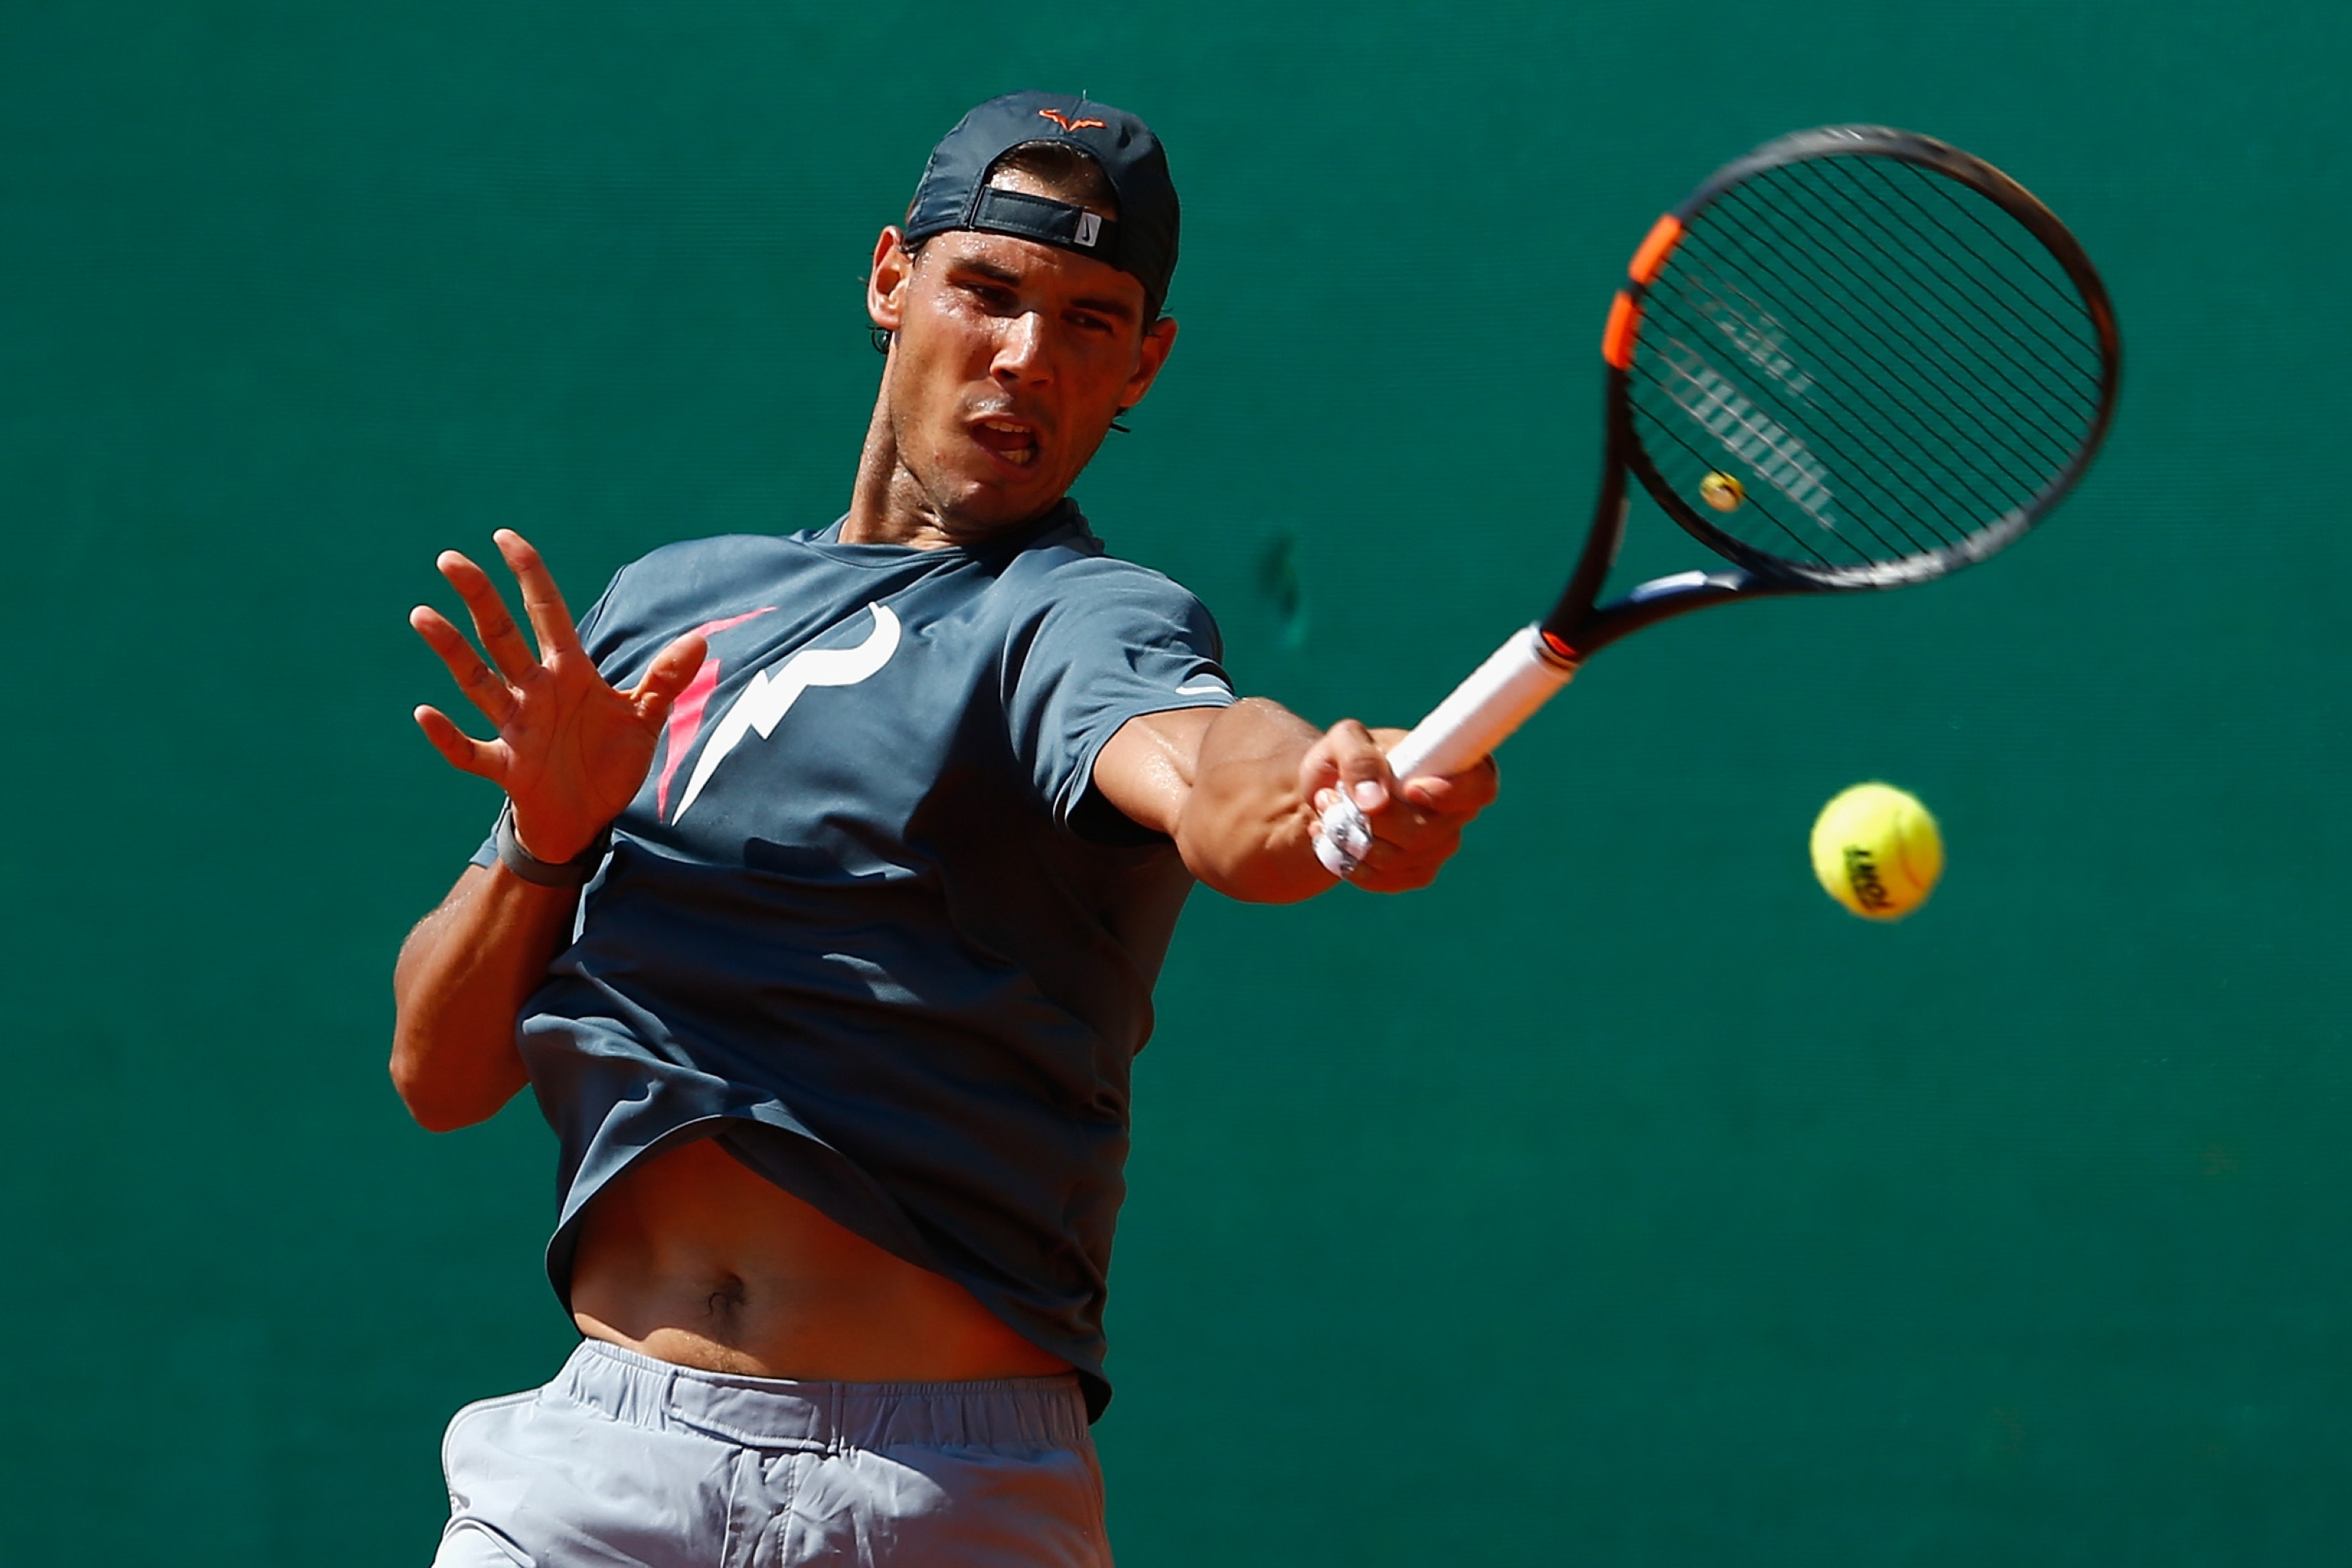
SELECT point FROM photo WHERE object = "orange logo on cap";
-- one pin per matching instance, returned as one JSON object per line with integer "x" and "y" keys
{"x": 1068, "y": 124}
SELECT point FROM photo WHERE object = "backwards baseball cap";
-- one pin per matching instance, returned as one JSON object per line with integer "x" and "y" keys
{"x": 955, "y": 192}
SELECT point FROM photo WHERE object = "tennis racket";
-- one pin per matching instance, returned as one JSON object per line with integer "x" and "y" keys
{"x": 1854, "y": 359}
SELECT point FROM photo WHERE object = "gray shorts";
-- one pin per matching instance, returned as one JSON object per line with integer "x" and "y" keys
{"x": 624, "y": 1460}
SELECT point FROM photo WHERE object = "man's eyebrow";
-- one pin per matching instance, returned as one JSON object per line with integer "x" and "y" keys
{"x": 988, "y": 270}
{"x": 1106, "y": 306}
{"x": 1101, "y": 304}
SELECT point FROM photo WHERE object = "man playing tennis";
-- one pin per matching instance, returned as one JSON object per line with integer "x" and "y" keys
{"x": 883, "y": 829}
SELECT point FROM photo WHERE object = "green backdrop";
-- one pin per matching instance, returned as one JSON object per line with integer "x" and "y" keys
{"x": 1619, "y": 1202}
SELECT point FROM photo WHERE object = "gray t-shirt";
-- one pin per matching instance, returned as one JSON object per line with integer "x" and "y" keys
{"x": 866, "y": 921}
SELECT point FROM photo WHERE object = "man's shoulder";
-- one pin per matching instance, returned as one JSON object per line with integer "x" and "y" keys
{"x": 1078, "y": 598}
{"x": 1071, "y": 562}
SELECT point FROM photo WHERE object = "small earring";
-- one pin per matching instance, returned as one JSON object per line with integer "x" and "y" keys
{"x": 881, "y": 336}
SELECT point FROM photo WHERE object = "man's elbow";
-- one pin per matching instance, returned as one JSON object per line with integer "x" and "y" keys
{"x": 424, "y": 1108}
{"x": 433, "y": 1102}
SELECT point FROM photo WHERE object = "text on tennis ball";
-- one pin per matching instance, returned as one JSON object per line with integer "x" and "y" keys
{"x": 1861, "y": 876}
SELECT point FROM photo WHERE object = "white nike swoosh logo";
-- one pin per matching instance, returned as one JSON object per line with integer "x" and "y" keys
{"x": 1206, "y": 689}
{"x": 771, "y": 693}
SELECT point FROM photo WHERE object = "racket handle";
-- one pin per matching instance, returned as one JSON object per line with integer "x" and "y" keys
{"x": 1500, "y": 694}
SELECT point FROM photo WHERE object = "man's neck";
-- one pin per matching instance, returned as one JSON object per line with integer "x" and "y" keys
{"x": 886, "y": 506}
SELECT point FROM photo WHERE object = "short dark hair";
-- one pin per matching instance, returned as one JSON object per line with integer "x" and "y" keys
{"x": 1068, "y": 172}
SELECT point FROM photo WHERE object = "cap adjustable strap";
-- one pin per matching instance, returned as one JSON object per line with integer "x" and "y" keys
{"x": 1017, "y": 213}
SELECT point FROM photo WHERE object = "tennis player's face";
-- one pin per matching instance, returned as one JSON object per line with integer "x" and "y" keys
{"x": 1009, "y": 362}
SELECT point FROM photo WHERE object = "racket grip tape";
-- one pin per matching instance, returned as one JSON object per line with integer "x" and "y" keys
{"x": 1479, "y": 715}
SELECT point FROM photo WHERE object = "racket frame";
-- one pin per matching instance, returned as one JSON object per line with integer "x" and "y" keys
{"x": 1538, "y": 660}
{"x": 1575, "y": 622}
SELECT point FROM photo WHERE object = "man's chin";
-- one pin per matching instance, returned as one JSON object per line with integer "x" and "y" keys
{"x": 988, "y": 508}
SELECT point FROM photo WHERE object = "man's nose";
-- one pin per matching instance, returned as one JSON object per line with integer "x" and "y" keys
{"x": 1021, "y": 351}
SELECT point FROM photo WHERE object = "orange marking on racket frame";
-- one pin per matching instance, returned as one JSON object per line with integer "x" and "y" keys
{"x": 1617, "y": 338}
{"x": 1663, "y": 235}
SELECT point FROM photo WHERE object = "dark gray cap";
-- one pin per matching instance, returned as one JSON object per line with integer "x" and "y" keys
{"x": 955, "y": 192}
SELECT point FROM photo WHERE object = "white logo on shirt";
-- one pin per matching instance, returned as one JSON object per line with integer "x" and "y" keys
{"x": 1204, "y": 689}
{"x": 771, "y": 693}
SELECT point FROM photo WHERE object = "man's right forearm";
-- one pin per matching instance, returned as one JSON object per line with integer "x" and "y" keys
{"x": 463, "y": 976}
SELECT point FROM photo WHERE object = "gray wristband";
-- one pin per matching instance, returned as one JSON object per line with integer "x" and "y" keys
{"x": 573, "y": 873}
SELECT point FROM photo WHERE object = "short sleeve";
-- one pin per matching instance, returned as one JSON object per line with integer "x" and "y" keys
{"x": 1118, "y": 642}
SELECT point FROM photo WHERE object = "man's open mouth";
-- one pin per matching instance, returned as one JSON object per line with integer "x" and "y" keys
{"x": 1010, "y": 439}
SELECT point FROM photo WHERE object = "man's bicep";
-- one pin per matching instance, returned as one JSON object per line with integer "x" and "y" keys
{"x": 1146, "y": 768}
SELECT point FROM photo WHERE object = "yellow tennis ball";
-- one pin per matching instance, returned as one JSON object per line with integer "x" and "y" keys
{"x": 1877, "y": 851}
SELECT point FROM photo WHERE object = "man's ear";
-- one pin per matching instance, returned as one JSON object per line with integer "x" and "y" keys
{"x": 886, "y": 280}
{"x": 1158, "y": 339}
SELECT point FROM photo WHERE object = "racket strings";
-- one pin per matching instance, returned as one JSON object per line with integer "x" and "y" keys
{"x": 1889, "y": 428}
{"x": 1864, "y": 438}
{"x": 1845, "y": 437}
{"x": 2053, "y": 283}
{"x": 1703, "y": 461}
{"x": 1855, "y": 440}
{"x": 1886, "y": 360}
{"x": 1900, "y": 305}
{"x": 1905, "y": 190}
{"x": 1937, "y": 265}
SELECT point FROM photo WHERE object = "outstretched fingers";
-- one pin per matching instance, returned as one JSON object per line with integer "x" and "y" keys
{"x": 485, "y": 691}
{"x": 668, "y": 675}
{"x": 501, "y": 639}
{"x": 570, "y": 749}
{"x": 485, "y": 759}
{"x": 542, "y": 602}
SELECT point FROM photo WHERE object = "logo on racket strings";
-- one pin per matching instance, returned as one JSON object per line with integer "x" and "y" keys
{"x": 1777, "y": 453}
{"x": 1760, "y": 337}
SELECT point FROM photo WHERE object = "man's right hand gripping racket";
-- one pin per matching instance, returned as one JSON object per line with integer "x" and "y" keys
{"x": 1855, "y": 358}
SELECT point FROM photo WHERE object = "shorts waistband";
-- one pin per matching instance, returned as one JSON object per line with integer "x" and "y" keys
{"x": 1013, "y": 1413}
